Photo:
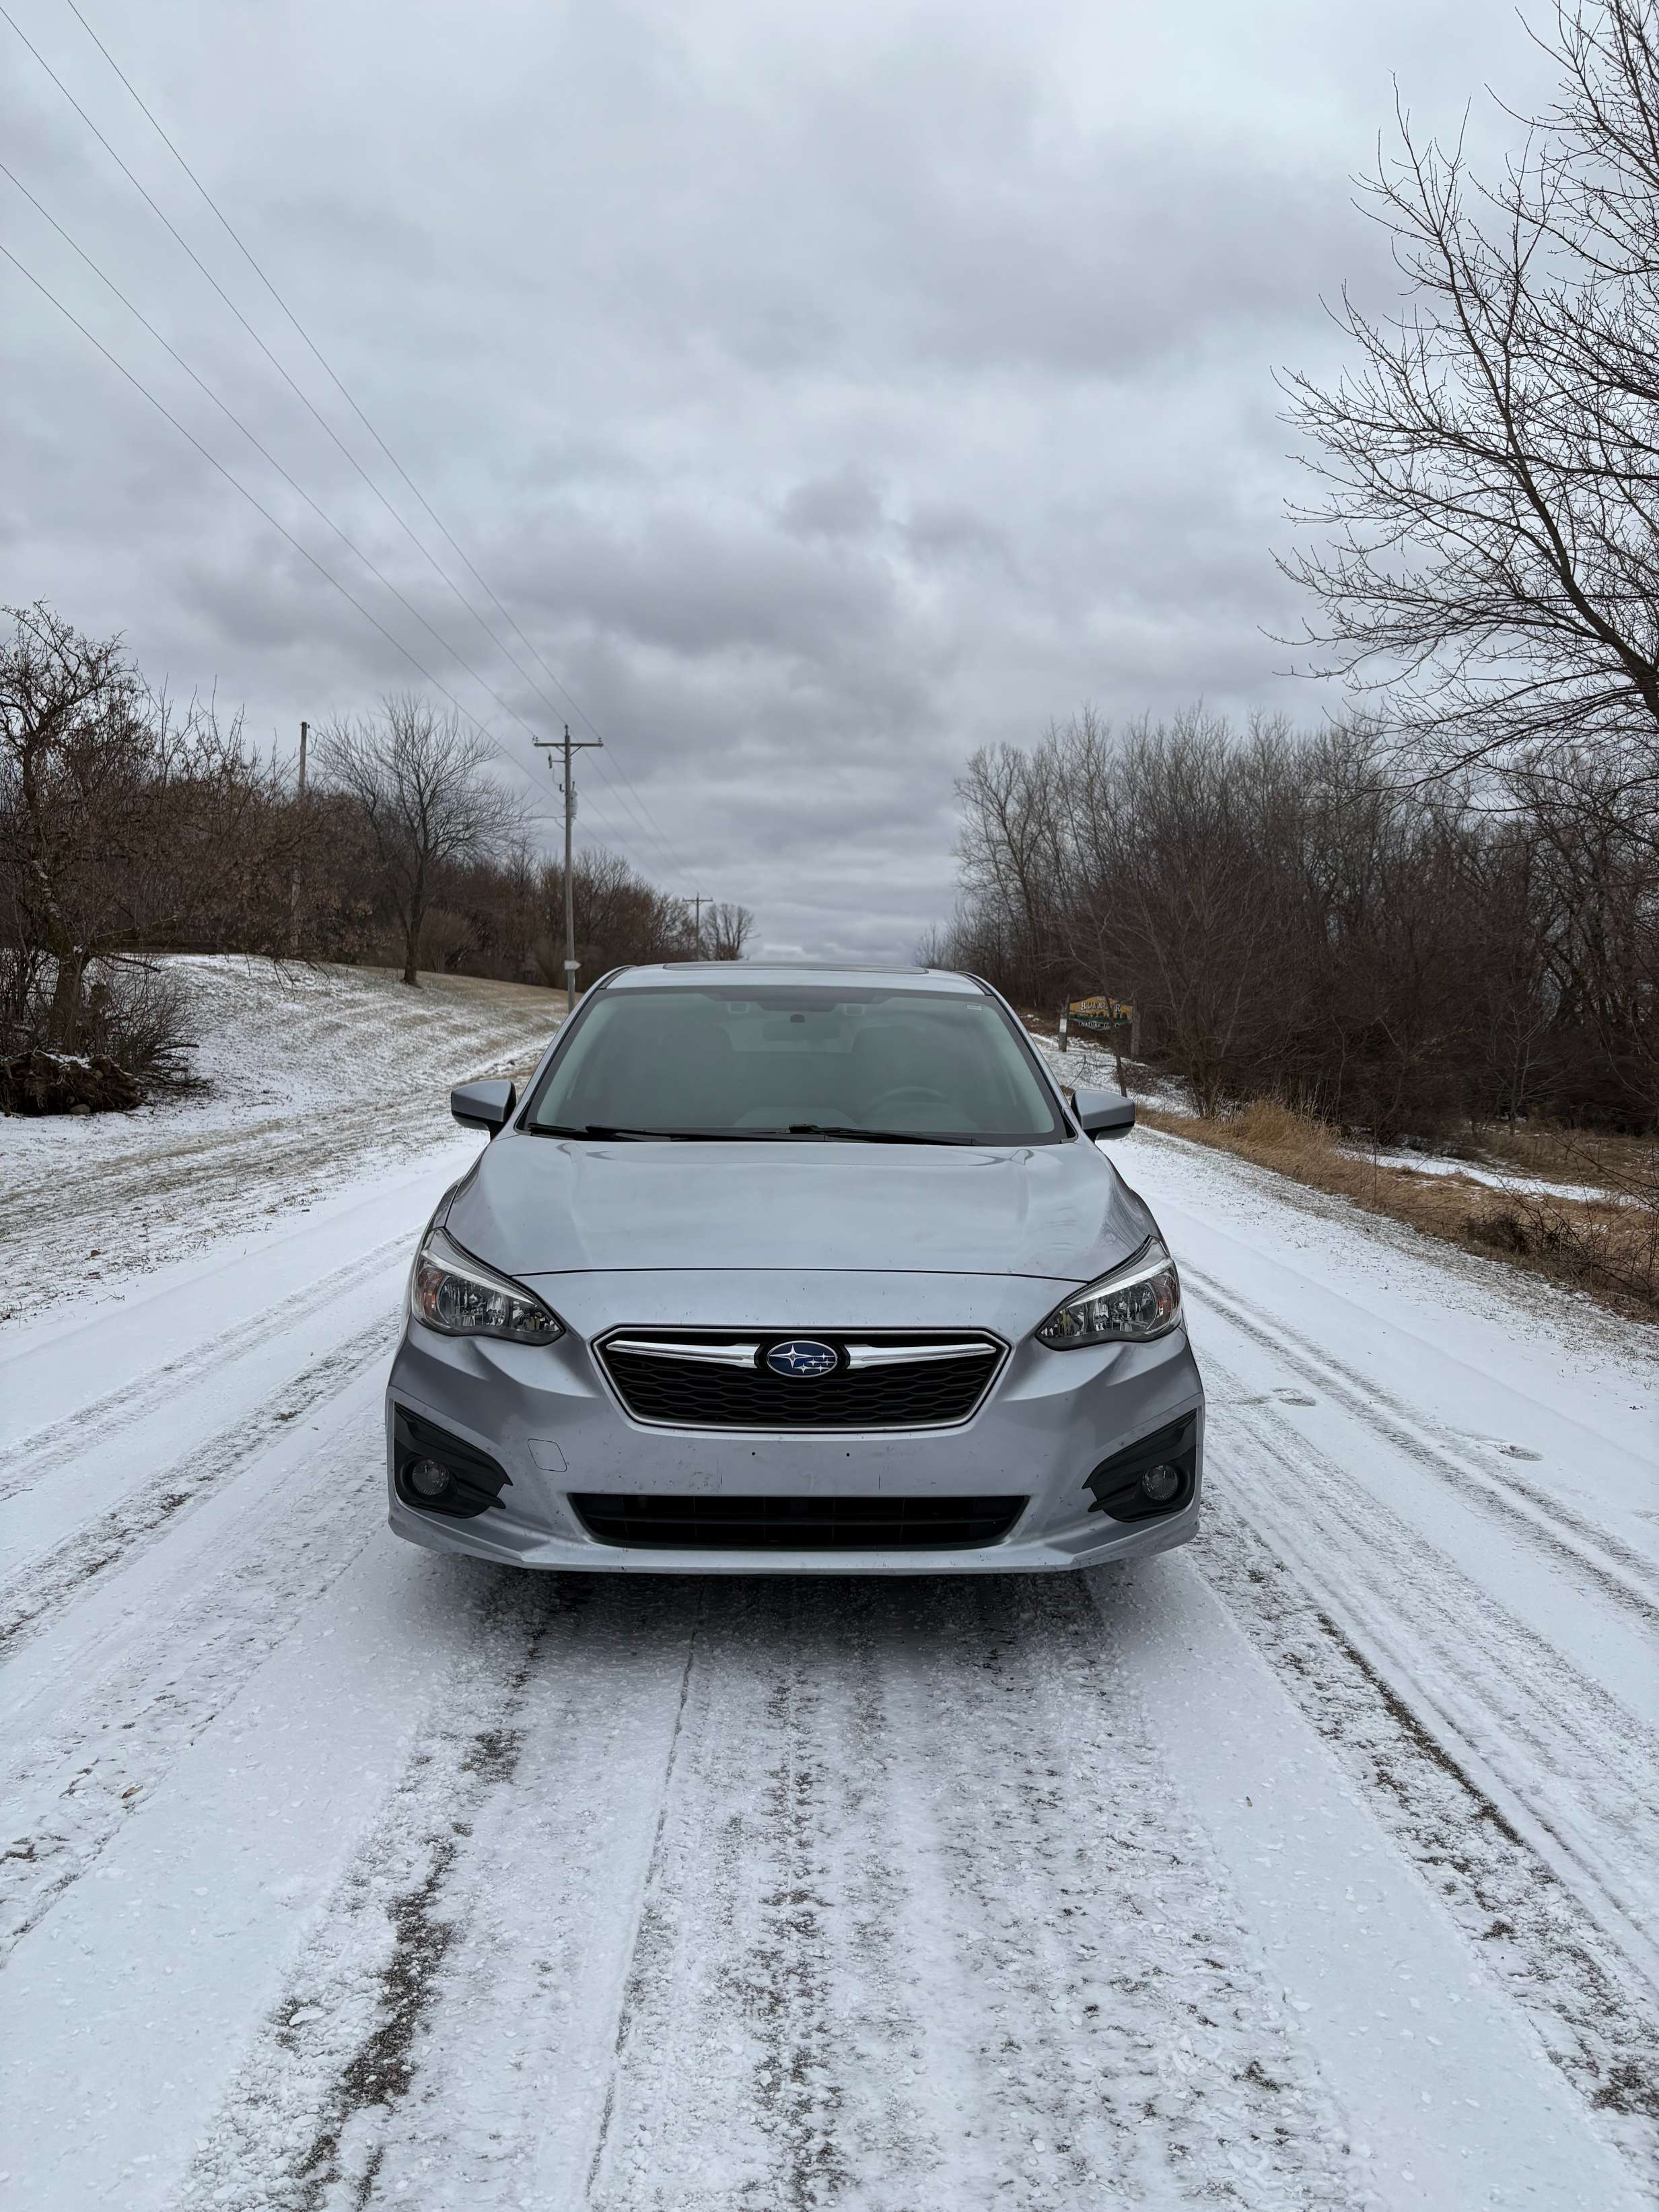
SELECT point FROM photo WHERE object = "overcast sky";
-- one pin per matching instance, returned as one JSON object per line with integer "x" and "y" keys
{"x": 826, "y": 389}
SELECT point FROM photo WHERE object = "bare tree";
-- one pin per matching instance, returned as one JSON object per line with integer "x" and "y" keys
{"x": 421, "y": 783}
{"x": 727, "y": 929}
{"x": 123, "y": 827}
{"x": 72, "y": 728}
{"x": 1490, "y": 465}
{"x": 1009, "y": 854}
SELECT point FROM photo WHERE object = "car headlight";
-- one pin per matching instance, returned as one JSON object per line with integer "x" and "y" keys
{"x": 1137, "y": 1302}
{"x": 453, "y": 1291}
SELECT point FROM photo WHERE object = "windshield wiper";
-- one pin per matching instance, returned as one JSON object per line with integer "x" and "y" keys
{"x": 587, "y": 1129}
{"x": 863, "y": 1136}
{"x": 632, "y": 1136}
{"x": 604, "y": 1129}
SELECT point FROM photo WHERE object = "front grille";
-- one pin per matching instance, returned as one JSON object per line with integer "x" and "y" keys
{"x": 883, "y": 1380}
{"x": 795, "y": 1524}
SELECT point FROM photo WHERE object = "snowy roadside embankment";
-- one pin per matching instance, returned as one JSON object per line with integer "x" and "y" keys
{"x": 314, "y": 1076}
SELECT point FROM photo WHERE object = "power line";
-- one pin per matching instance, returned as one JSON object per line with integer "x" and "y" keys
{"x": 672, "y": 865}
{"x": 186, "y": 246}
{"x": 642, "y": 812}
{"x": 310, "y": 408}
{"x": 306, "y": 402}
{"x": 648, "y": 822}
{"x": 235, "y": 482}
{"x": 231, "y": 415}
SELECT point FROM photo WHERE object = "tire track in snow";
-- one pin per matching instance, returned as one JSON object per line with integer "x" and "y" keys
{"x": 103, "y": 1755}
{"x": 555, "y": 1939}
{"x": 1555, "y": 1755}
{"x": 896, "y": 1860}
{"x": 647, "y": 1939}
{"x": 1600, "y": 1559}
{"x": 737, "y": 1829}
{"x": 302, "y": 2125}
{"x": 97, "y": 1425}
{"x": 1100, "y": 1974}
{"x": 908, "y": 1945}
{"x": 34, "y": 1595}
{"x": 1527, "y": 1796}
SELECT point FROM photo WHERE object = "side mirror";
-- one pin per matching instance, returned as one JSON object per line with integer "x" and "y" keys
{"x": 483, "y": 1105}
{"x": 1103, "y": 1113}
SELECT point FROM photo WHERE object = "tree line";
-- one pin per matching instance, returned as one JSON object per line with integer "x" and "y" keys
{"x": 1446, "y": 902}
{"x": 131, "y": 825}
{"x": 1293, "y": 921}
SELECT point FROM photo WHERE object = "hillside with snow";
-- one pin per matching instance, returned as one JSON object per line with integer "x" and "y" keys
{"x": 311, "y": 1077}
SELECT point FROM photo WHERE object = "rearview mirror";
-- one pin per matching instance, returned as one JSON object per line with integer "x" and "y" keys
{"x": 1103, "y": 1113}
{"x": 483, "y": 1105}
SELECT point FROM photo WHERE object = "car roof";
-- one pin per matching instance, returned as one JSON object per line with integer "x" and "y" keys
{"x": 739, "y": 974}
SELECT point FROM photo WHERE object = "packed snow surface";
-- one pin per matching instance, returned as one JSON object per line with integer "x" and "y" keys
{"x": 1315, "y": 1866}
{"x": 311, "y": 1075}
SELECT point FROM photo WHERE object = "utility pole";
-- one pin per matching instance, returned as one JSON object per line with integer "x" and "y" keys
{"x": 568, "y": 744}
{"x": 294, "y": 880}
{"x": 698, "y": 898}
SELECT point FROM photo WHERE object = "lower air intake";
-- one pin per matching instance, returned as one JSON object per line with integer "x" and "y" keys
{"x": 795, "y": 1524}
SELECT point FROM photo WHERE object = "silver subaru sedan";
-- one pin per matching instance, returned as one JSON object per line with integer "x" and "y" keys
{"x": 794, "y": 1270}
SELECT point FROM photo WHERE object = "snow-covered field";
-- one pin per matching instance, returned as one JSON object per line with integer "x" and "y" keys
{"x": 1315, "y": 1866}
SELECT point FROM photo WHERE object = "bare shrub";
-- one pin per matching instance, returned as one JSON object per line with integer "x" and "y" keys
{"x": 444, "y": 937}
{"x": 1609, "y": 1245}
{"x": 139, "y": 1013}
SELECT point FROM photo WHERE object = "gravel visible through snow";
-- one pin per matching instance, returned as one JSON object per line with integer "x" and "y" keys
{"x": 1312, "y": 1868}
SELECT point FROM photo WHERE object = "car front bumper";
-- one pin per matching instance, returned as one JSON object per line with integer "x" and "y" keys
{"x": 550, "y": 1416}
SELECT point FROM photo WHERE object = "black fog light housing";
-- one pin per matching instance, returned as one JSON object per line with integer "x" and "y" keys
{"x": 439, "y": 1473}
{"x": 1159, "y": 1485}
{"x": 428, "y": 1478}
{"x": 1157, "y": 1475}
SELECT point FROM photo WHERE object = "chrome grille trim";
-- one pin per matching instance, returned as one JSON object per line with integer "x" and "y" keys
{"x": 859, "y": 1354}
{"x": 740, "y": 1353}
{"x": 685, "y": 1347}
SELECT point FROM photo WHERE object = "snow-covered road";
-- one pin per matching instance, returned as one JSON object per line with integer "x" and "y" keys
{"x": 1317, "y": 1865}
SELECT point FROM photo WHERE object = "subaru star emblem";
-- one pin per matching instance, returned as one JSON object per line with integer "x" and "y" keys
{"x": 801, "y": 1357}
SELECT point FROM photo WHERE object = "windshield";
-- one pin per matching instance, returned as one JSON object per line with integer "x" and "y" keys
{"x": 805, "y": 1061}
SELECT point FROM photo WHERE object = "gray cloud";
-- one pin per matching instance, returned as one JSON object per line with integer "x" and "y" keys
{"x": 827, "y": 391}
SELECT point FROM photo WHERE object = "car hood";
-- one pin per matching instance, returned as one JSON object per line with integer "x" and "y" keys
{"x": 544, "y": 1206}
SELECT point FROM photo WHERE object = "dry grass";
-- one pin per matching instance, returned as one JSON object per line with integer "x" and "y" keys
{"x": 534, "y": 998}
{"x": 1570, "y": 1155}
{"x": 1607, "y": 1247}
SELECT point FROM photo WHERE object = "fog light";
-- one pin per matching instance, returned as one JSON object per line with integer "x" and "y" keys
{"x": 438, "y": 1471}
{"x": 1159, "y": 1474}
